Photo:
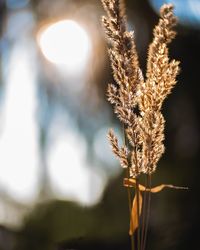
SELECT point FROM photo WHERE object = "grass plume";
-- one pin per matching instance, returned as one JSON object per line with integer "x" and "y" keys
{"x": 144, "y": 130}
{"x": 138, "y": 99}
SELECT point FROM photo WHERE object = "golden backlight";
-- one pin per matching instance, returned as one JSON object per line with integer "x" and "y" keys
{"x": 65, "y": 43}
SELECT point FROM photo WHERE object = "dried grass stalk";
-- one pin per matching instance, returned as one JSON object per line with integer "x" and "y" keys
{"x": 137, "y": 101}
{"x": 144, "y": 128}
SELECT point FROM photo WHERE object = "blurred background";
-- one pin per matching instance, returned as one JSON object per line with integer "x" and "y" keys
{"x": 60, "y": 185}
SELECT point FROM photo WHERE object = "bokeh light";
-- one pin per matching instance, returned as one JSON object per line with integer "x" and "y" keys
{"x": 69, "y": 172}
{"x": 19, "y": 132}
{"x": 65, "y": 43}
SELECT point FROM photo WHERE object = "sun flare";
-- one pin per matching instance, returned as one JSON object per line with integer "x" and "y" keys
{"x": 65, "y": 43}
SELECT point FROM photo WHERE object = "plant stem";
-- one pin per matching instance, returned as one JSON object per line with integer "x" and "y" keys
{"x": 148, "y": 211}
{"x": 129, "y": 192}
{"x": 144, "y": 213}
{"x": 130, "y": 207}
{"x": 138, "y": 213}
{"x": 137, "y": 200}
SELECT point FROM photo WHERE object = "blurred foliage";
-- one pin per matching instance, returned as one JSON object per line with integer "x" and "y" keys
{"x": 55, "y": 222}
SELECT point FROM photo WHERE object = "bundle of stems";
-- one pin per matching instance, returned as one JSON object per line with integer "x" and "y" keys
{"x": 137, "y": 102}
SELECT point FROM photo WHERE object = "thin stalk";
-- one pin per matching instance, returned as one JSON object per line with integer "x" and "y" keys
{"x": 129, "y": 193}
{"x": 138, "y": 214}
{"x": 137, "y": 200}
{"x": 130, "y": 206}
{"x": 148, "y": 211}
{"x": 144, "y": 213}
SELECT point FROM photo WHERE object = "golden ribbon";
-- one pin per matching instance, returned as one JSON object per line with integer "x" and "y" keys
{"x": 132, "y": 183}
